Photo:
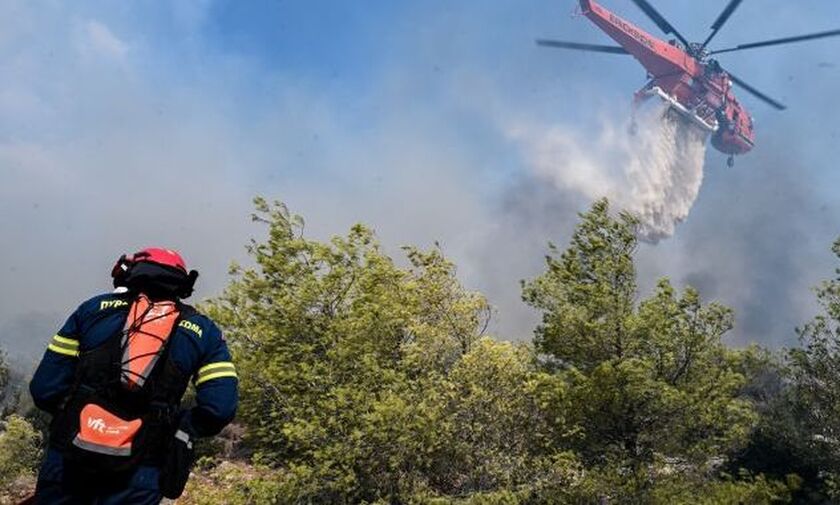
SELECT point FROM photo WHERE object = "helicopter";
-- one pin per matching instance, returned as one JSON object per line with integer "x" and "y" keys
{"x": 683, "y": 74}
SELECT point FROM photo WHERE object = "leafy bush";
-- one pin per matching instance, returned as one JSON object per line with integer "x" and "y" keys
{"x": 20, "y": 449}
{"x": 364, "y": 381}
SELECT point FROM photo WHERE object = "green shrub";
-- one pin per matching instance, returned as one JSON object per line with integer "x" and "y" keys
{"x": 20, "y": 449}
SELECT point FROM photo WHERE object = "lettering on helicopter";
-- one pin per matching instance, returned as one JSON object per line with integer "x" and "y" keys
{"x": 631, "y": 30}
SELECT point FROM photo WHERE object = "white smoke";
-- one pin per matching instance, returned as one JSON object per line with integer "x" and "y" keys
{"x": 654, "y": 173}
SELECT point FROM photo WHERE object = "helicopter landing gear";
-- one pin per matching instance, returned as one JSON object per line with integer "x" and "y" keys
{"x": 730, "y": 162}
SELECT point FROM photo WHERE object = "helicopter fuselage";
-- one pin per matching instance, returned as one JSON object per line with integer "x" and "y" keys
{"x": 695, "y": 86}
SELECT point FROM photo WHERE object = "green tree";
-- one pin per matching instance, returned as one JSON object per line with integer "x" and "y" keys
{"x": 587, "y": 294}
{"x": 779, "y": 446}
{"x": 363, "y": 380}
{"x": 651, "y": 383}
{"x": 20, "y": 450}
{"x": 801, "y": 431}
{"x": 504, "y": 418}
{"x": 815, "y": 369}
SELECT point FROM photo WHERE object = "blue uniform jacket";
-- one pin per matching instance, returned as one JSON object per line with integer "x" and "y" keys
{"x": 197, "y": 349}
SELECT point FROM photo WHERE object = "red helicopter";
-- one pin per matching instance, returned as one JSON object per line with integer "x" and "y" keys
{"x": 683, "y": 74}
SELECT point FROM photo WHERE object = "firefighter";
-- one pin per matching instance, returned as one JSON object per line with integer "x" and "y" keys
{"x": 113, "y": 378}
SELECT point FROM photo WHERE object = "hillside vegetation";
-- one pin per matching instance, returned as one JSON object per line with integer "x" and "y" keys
{"x": 366, "y": 381}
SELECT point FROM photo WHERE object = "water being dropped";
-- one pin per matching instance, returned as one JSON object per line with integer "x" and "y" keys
{"x": 654, "y": 173}
{"x": 664, "y": 172}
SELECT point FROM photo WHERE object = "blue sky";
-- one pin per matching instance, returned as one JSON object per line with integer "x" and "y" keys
{"x": 126, "y": 124}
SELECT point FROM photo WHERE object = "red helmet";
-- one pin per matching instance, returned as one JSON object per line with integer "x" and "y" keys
{"x": 155, "y": 268}
{"x": 166, "y": 257}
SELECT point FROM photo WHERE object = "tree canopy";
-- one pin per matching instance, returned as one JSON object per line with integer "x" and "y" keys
{"x": 367, "y": 379}
{"x": 372, "y": 379}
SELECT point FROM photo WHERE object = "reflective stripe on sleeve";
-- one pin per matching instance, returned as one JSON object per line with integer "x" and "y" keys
{"x": 65, "y": 346}
{"x": 215, "y": 371}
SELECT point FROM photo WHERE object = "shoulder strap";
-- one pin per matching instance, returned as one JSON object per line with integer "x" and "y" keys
{"x": 165, "y": 373}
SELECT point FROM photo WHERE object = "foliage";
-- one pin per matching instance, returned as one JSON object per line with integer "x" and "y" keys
{"x": 364, "y": 381}
{"x": 800, "y": 426}
{"x": 587, "y": 294}
{"x": 650, "y": 380}
{"x": 815, "y": 372}
{"x": 743, "y": 490}
{"x": 20, "y": 449}
{"x": 232, "y": 484}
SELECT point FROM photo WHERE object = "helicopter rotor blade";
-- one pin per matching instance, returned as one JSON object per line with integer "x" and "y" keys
{"x": 581, "y": 47}
{"x": 721, "y": 20}
{"x": 756, "y": 93}
{"x": 660, "y": 21}
{"x": 774, "y": 42}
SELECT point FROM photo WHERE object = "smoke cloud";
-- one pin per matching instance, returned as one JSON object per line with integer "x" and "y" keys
{"x": 134, "y": 126}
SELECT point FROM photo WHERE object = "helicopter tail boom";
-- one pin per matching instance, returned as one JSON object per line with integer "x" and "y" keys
{"x": 657, "y": 56}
